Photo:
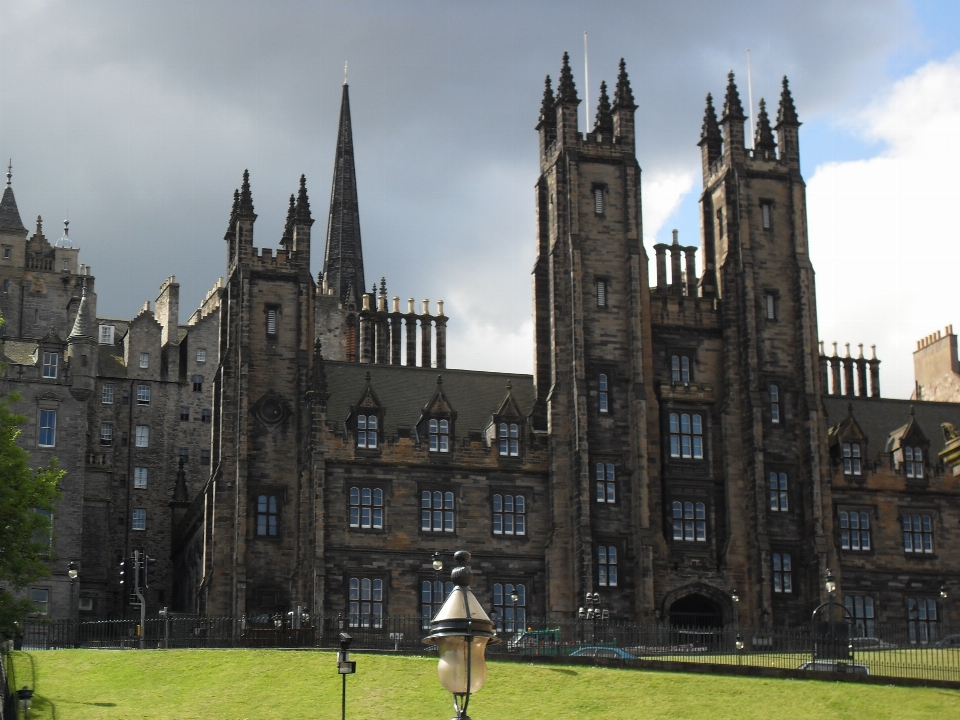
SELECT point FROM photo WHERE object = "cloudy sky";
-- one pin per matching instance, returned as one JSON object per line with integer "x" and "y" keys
{"x": 137, "y": 120}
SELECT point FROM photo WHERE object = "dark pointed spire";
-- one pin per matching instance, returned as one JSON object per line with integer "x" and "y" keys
{"x": 343, "y": 258}
{"x": 566, "y": 90}
{"x": 764, "y": 144}
{"x": 710, "y": 131}
{"x": 9, "y": 214}
{"x": 604, "y": 120}
{"x": 286, "y": 241}
{"x": 623, "y": 97}
{"x": 234, "y": 213}
{"x": 732, "y": 107}
{"x": 303, "y": 203}
{"x": 245, "y": 208}
{"x": 547, "y": 114}
{"x": 787, "y": 114}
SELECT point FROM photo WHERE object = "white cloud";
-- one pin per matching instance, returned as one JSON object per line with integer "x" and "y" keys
{"x": 662, "y": 194}
{"x": 883, "y": 231}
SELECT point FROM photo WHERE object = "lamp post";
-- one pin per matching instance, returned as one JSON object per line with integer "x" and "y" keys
{"x": 735, "y": 596}
{"x": 461, "y": 631}
{"x": 590, "y": 611}
{"x": 25, "y": 695}
{"x": 73, "y": 573}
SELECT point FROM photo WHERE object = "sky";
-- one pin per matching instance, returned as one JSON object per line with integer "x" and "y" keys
{"x": 137, "y": 120}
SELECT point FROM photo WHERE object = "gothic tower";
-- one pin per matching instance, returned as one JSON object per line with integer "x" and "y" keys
{"x": 592, "y": 362}
{"x": 343, "y": 259}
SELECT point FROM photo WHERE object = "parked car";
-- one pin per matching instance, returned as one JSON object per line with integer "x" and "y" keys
{"x": 604, "y": 652}
{"x": 835, "y": 666}
{"x": 949, "y": 641}
{"x": 869, "y": 643}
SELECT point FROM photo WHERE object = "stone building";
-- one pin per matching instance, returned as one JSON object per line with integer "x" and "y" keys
{"x": 300, "y": 442}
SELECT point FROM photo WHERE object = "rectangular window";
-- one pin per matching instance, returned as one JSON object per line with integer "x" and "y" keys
{"x": 6, "y": 252}
{"x": 197, "y": 381}
{"x": 365, "y": 603}
{"x": 185, "y": 455}
{"x": 40, "y": 597}
{"x": 922, "y": 620}
{"x": 106, "y": 394}
{"x": 778, "y": 492}
{"x": 143, "y": 394}
{"x": 771, "y": 306}
{"x": 913, "y": 461}
{"x": 509, "y": 440}
{"x": 439, "y": 435}
{"x": 686, "y": 436}
{"x": 366, "y": 508}
{"x": 44, "y": 536}
{"x": 267, "y": 516}
{"x": 606, "y": 566}
{"x": 144, "y": 361}
{"x": 606, "y": 483}
{"x": 774, "y": 404}
{"x": 143, "y": 436}
{"x": 851, "y": 459}
{"x": 854, "y": 530}
{"x": 598, "y": 201}
{"x": 184, "y": 413}
{"x": 510, "y": 606}
{"x": 436, "y": 511}
{"x": 509, "y": 515}
{"x": 601, "y": 293}
{"x": 367, "y": 431}
{"x": 201, "y": 355}
{"x": 861, "y": 608}
{"x": 432, "y": 595}
{"x": 51, "y": 362}
{"x": 140, "y": 478}
{"x": 205, "y": 458}
{"x": 680, "y": 368}
{"x": 139, "y": 519}
{"x": 782, "y": 573}
{"x": 720, "y": 223}
{"x": 106, "y": 334}
{"x": 766, "y": 215}
{"x": 48, "y": 428}
{"x": 272, "y": 322}
{"x": 106, "y": 434}
{"x": 917, "y": 534}
{"x": 689, "y": 521}
{"x": 205, "y": 415}
{"x": 603, "y": 395}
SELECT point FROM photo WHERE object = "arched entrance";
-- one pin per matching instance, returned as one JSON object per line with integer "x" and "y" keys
{"x": 696, "y": 611}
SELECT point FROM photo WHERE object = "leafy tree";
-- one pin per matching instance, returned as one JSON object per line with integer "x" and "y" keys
{"x": 24, "y": 532}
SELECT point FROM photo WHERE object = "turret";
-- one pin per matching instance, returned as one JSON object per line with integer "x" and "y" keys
{"x": 731, "y": 124}
{"x": 246, "y": 217}
{"x": 604, "y": 121}
{"x": 566, "y": 105}
{"x": 623, "y": 109}
{"x": 788, "y": 127}
{"x": 82, "y": 351}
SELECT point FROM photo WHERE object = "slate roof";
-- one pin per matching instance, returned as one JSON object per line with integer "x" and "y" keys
{"x": 878, "y": 418}
{"x": 19, "y": 352}
{"x": 403, "y": 392}
{"x": 9, "y": 214}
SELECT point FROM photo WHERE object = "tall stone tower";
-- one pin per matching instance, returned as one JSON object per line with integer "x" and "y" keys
{"x": 592, "y": 362}
{"x": 771, "y": 453}
{"x": 259, "y": 501}
{"x": 343, "y": 259}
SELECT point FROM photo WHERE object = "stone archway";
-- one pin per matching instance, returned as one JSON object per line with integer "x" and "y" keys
{"x": 696, "y": 611}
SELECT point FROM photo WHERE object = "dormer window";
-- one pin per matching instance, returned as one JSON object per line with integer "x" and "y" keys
{"x": 509, "y": 440}
{"x": 439, "y": 435}
{"x": 367, "y": 431}
{"x": 913, "y": 461}
{"x": 851, "y": 458}
{"x": 106, "y": 334}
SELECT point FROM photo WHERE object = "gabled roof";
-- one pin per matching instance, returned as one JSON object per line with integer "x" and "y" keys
{"x": 906, "y": 434}
{"x": 405, "y": 391}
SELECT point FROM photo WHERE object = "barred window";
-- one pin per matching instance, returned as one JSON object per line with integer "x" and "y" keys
{"x": 782, "y": 573}
{"x": 603, "y": 396}
{"x": 106, "y": 434}
{"x": 854, "y": 530}
{"x": 766, "y": 215}
{"x": 922, "y": 620}
{"x": 917, "y": 534}
{"x": 509, "y": 440}
{"x": 51, "y": 362}
{"x": 436, "y": 511}
{"x": 689, "y": 521}
{"x": 366, "y": 508}
{"x": 686, "y": 436}
{"x": 267, "y": 516}
{"x": 511, "y": 614}
{"x": 432, "y": 595}
{"x": 779, "y": 501}
{"x": 367, "y": 431}
{"x": 606, "y": 483}
{"x": 771, "y": 306}
{"x": 913, "y": 461}
{"x": 601, "y": 293}
{"x": 851, "y": 459}
{"x": 606, "y": 566}
{"x": 439, "y": 435}
{"x": 271, "y": 322}
{"x": 680, "y": 368}
{"x": 861, "y": 608}
{"x": 509, "y": 515}
{"x": 143, "y": 394}
{"x": 106, "y": 394}
{"x": 365, "y": 607}
{"x": 774, "y": 404}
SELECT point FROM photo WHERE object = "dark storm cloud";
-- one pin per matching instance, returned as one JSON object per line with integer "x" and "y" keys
{"x": 139, "y": 118}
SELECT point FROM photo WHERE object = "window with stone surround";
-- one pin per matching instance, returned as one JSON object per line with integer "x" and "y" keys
{"x": 366, "y": 508}
{"x": 439, "y": 431}
{"x": 509, "y": 439}
{"x": 606, "y": 482}
{"x": 144, "y": 361}
{"x": 603, "y": 393}
{"x": 686, "y": 436}
{"x": 433, "y": 593}
{"x": 855, "y": 530}
{"x": 143, "y": 394}
{"x": 268, "y": 516}
{"x": 365, "y": 602}
{"x": 51, "y": 362}
{"x": 48, "y": 429}
{"x": 607, "y": 566}
{"x": 779, "y": 497}
{"x": 680, "y": 368}
{"x": 917, "y": 534}
{"x": 861, "y": 609}
{"x": 367, "y": 432}
{"x": 510, "y": 606}
{"x": 782, "y": 573}
{"x": 437, "y": 511}
{"x": 106, "y": 394}
{"x": 139, "y": 478}
{"x": 689, "y": 521}
{"x": 143, "y": 436}
{"x": 139, "y": 519}
{"x": 106, "y": 434}
{"x": 922, "y": 620}
{"x": 851, "y": 459}
{"x": 509, "y": 514}
{"x": 775, "y": 404}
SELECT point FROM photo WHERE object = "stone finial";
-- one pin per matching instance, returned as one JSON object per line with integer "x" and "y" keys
{"x": 566, "y": 90}
{"x": 623, "y": 96}
{"x": 763, "y": 142}
{"x": 547, "y": 115}
{"x": 604, "y": 119}
{"x": 303, "y": 203}
{"x": 787, "y": 112}
{"x": 9, "y": 171}
{"x": 245, "y": 207}
{"x": 732, "y": 107}
{"x": 710, "y": 130}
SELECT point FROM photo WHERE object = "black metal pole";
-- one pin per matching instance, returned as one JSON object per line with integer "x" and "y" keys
{"x": 343, "y": 699}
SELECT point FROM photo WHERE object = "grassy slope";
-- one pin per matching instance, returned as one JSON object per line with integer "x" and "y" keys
{"x": 228, "y": 684}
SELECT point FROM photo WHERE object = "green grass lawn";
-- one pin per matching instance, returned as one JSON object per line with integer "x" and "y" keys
{"x": 236, "y": 684}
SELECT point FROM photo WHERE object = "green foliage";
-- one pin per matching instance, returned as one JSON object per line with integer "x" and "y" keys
{"x": 24, "y": 532}
{"x": 265, "y": 684}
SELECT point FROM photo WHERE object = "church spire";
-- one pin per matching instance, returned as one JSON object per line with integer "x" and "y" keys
{"x": 343, "y": 259}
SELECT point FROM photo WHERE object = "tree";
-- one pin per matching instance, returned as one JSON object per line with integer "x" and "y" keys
{"x": 24, "y": 532}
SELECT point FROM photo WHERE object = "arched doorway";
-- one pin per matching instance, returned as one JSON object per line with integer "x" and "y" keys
{"x": 696, "y": 611}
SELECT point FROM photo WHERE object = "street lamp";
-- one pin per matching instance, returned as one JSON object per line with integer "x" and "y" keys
{"x": 461, "y": 631}
{"x": 830, "y": 584}
{"x": 72, "y": 571}
{"x": 943, "y": 591}
{"x": 25, "y": 695}
{"x": 437, "y": 562}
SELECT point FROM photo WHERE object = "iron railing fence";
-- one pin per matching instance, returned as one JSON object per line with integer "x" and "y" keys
{"x": 909, "y": 650}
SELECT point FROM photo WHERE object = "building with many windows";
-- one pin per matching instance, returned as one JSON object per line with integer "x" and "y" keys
{"x": 683, "y": 439}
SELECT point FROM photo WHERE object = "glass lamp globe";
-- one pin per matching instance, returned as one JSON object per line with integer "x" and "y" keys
{"x": 830, "y": 583}
{"x": 452, "y": 668}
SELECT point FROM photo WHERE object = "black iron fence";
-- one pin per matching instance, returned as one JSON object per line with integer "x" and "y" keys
{"x": 931, "y": 652}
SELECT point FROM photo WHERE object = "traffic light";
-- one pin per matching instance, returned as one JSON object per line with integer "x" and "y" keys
{"x": 123, "y": 568}
{"x": 148, "y": 569}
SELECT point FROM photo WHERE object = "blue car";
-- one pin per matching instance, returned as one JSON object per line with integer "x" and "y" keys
{"x": 604, "y": 652}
